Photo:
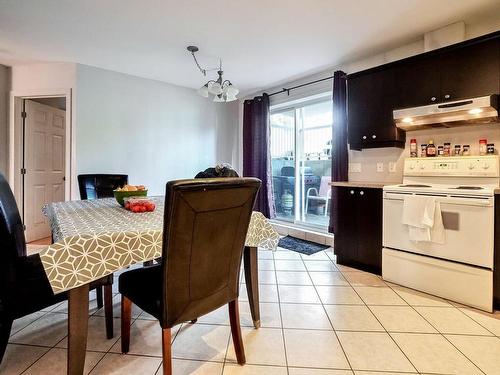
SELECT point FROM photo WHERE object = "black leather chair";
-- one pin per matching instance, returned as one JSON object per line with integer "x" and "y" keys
{"x": 24, "y": 287}
{"x": 95, "y": 186}
{"x": 204, "y": 231}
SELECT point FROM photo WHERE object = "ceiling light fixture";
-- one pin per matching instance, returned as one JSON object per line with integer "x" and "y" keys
{"x": 222, "y": 90}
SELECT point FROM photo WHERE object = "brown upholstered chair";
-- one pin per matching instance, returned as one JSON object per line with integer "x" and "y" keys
{"x": 204, "y": 231}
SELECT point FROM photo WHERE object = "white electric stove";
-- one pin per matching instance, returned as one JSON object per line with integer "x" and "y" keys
{"x": 461, "y": 269}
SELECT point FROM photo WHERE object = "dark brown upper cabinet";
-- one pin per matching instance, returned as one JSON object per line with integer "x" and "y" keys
{"x": 464, "y": 70}
{"x": 452, "y": 74}
{"x": 471, "y": 71}
{"x": 418, "y": 82}
{"x": 370, "y": 101}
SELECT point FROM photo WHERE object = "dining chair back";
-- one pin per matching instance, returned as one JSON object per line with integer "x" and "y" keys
{"x": 12, "y": 238}
{"x": 24, "y": 287}
{"x": 204, "y": 236}
{"x": 95, "y": 186}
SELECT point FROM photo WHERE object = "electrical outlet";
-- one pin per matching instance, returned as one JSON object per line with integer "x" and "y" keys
{"x": 392, "y": 167}
{"x": 355, "y": 167}
{"x": 380, "y": 167}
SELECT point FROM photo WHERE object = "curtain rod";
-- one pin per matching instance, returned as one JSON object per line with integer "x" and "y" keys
{"x": 287, "y": 90}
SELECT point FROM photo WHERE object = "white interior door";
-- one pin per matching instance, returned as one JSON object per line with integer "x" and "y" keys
{"x": 44, "y": 143}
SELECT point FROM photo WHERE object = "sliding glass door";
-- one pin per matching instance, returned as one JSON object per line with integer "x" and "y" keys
{"x": 301, "y": 162}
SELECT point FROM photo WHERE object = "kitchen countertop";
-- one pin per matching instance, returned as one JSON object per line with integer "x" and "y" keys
{"x": 363, "y": 184}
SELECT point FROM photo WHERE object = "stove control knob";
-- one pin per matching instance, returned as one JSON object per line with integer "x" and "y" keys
{"x": 486, "y": 166}
{"x": 471, "y": 166}
{"x": 412, "y": 166}
{"x": 422, "y": 166}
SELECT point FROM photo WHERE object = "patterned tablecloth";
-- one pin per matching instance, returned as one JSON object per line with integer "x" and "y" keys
{"x": 95, "y": 238}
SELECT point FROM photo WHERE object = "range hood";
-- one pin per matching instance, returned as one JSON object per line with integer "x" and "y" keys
{"x": 482, "y": 110}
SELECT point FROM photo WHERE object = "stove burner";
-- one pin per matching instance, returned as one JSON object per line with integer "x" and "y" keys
{"x": 468, "y": 188}
{"x": 415, "y": 186}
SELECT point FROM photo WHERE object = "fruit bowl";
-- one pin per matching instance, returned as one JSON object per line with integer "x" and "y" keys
{"x": 129, "y": 191}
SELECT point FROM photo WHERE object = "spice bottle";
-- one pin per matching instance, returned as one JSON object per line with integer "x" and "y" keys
{"x": 491, "y": 149}
{"x": 483, "y": 146}
{"x": 431, "y": 149}
{"x": 466, "y": 150}
{"x": 413, "y": 148}
{"x": 458, "y": 150}
{"x": 423, "y": 150}
{"x": 440, "y": 151}
{"x": 447, "y": 149}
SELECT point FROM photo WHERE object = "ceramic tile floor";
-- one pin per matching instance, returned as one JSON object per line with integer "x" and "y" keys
{"x": 318, "y": 318}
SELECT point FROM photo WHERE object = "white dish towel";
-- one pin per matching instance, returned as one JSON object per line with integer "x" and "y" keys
{"x": 422, "y": 215}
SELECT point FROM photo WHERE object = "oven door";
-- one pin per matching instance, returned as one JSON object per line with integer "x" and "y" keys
{"x": 468, "y": 223}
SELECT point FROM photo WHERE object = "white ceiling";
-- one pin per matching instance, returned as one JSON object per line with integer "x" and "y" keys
{"x": 261, "y": 42}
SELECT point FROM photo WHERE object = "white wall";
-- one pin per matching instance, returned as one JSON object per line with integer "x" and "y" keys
{"x": 227, "y": 133}
{"x": 43, "y": 76}
{"x": 151, "y": 130}
{"x": 4, "y": 102}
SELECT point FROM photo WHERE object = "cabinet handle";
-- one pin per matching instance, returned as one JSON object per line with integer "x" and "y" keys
{"x": 352, "y": 192}
{"x": 364, "y": 137}
{"x": 433, "y": 99}
{"x": 447, "y": 96}
{"x": 361, "y": 192}
{"x": 374, "y": 136}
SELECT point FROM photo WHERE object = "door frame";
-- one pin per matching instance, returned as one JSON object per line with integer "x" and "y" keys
{"x": 16, "y": 139}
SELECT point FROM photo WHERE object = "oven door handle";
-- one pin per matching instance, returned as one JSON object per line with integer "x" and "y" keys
{"x": 464, "y": 201}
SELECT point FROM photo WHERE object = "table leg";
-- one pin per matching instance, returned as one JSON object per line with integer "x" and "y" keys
{"x": 251, "y": 267}
{"x": 78, "y": 318}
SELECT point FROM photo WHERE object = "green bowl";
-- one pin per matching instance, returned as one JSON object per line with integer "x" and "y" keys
{"x": 120, "y": 195}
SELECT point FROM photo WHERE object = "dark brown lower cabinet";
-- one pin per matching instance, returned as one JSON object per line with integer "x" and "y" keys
{"x": 358, "y": 238}
{"x": 496, "y": 262}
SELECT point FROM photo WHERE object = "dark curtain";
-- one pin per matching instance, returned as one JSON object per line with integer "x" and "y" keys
{"x": 339, "y": 142}
{"x": 256, "y": 150}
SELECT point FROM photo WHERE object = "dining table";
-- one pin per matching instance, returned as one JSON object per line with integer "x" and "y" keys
{"x": 95, "y": 238}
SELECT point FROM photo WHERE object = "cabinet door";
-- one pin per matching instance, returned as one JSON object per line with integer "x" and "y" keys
{"x": 371, "y": 100}
{"x": 359, "y": 108}
{"x": 418, "y": 82}
{"x": 345, "y": 246}
{"x": 369, "y": 226}
{"x": 471, "y": 71}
